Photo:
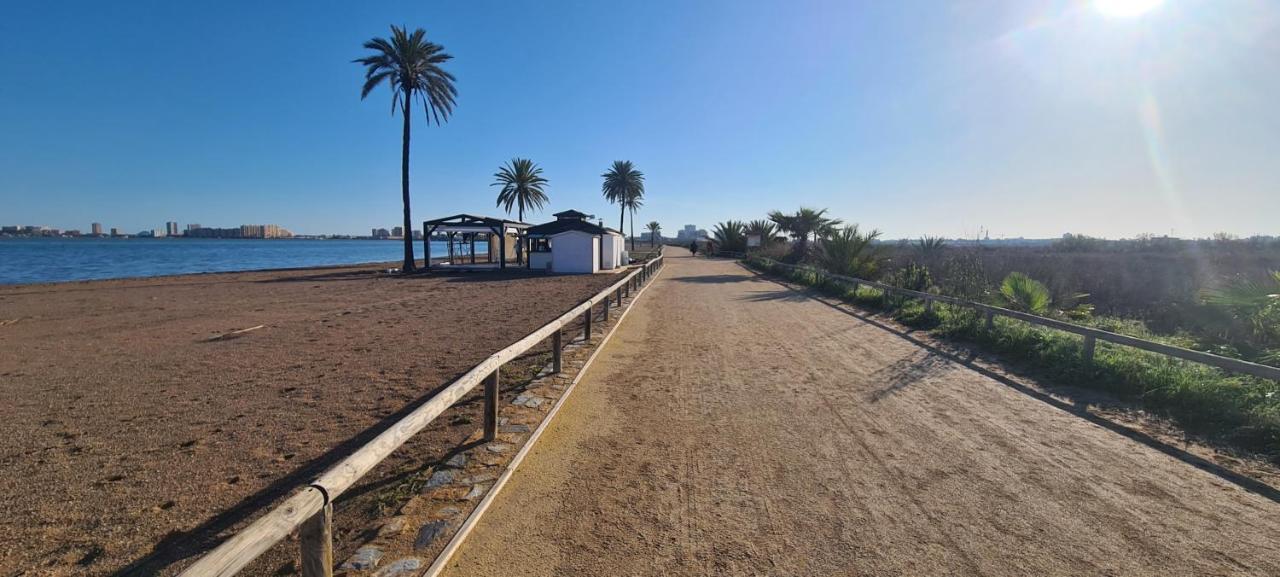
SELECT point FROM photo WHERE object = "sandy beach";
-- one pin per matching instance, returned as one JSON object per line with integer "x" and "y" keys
{"x": 134, "y": 434}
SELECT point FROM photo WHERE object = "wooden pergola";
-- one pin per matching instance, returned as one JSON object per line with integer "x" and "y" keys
{"x": 468, "y": 227}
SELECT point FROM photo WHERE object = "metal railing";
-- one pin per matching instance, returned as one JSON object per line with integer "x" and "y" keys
{"x": 1090, "y": 334}
{"x": 310, "y": 509}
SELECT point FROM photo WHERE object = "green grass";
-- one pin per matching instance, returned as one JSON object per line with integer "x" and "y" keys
{"x": 1236, "y": 410}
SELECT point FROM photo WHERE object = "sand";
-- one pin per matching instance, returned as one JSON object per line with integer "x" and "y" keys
{"x": 737, "y": 427}
{"x": 131, "y": 438}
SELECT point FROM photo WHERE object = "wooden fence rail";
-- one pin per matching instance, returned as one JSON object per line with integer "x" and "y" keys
{"x": 1090, "y": 334}
{"x": 311, "y": 507}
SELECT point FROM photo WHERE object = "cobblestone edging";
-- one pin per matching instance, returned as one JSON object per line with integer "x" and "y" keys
{"x": 426, "y": 529}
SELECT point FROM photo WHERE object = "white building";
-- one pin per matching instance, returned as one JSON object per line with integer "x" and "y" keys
{"x": 572, "y": 245}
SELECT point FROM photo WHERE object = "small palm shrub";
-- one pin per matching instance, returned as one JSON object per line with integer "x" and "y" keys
{"x": 1023, "y": 293}
{"x": 849, "y": 252}
{"x": 731, "y": 236}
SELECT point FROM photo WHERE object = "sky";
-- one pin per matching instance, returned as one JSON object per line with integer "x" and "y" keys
{"x": 1023, "y": 118}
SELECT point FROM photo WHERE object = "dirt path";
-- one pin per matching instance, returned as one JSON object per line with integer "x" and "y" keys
{"x": 736, "y": 427}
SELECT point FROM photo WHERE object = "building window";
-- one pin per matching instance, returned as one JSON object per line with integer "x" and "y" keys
{"x": 539, "y": 245}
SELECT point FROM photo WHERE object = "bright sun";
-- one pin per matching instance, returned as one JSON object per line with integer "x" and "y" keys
{"x": 1125, "y": 8}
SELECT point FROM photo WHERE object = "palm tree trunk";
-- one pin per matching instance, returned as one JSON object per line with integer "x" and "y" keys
{"x": 633, "y": 231}
{"x": 622, "y": 218}
{"x": 404, "y": 191}
{"x": 520, "y": 245}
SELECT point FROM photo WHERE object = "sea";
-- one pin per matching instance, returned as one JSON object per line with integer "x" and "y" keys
{"x": 41, "y": 260}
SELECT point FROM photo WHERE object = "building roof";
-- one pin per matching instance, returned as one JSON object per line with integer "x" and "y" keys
{"x": 564, "y": 225}
{"x": 571, "y": 214}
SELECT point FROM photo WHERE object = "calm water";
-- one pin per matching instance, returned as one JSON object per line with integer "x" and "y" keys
{"x": 30, "y": 260}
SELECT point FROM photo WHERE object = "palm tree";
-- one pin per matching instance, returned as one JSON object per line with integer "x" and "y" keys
{"x": 522, "y": 186}
{"x": 804, "y": 223}
{"x": 655, "y": 231}
{"x": 850, "y": 252}
{"x": 624, "y": 185}
{"x": 766, "y": 230}
{"x": 731, "y": 236}
{"x": 412, "y": 66}
{"x": 633, "y": 203}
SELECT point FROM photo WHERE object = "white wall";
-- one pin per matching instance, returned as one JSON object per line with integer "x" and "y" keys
{"x": 575, "y": 252}
{"x": 612, "y": 251}
{"x": 539, "y": 261}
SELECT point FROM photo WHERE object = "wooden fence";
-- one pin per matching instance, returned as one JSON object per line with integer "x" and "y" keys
{"x": 1090, "y": 334}
{"x": 310, "y": 509}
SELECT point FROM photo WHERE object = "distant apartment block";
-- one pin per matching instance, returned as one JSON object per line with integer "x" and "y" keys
{"x": 96, "y": 229}
{"x": 381, "y": 233}
{"x": 243, "y": 231}
{"x": 397, "y": 231}
{"x": 191, "y": 227}
{"x": 115, "y": 231}
{"x": 171, "y": 228}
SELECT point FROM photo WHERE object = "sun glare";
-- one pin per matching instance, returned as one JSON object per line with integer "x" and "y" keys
{"x": 1125, "y": 8}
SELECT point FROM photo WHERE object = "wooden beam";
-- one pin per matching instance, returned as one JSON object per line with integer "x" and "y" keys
{"x": 233, "y": 554}
{"x": 316, "y": 541}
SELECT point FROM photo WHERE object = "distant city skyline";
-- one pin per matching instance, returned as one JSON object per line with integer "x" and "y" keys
{"x": 1030, "y": 119}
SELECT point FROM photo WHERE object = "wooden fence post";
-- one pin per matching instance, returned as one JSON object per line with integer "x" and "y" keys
{"x": 605, "y": 306}
{"x": 556, "y": 352}
{"x": 619, "y": 299}
{"x": 1089, "y": 344}
{"x": 491, "y": 405}
{"x": 586, "y": 320}
{"x": 928, "y": 305}
{"x": 991, "y": 320}
{"x": 316, "y": 540}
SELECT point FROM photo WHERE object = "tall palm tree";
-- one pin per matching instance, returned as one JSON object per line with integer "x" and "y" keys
{"x": 412, "y": 66}
{"x": 624, "y": 185}
{"x": 522, "y": 186}
{"x": 655, "y": 231}
{"x": 634, "y": 202}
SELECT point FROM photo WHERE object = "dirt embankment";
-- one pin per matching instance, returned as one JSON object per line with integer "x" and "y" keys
{"x": 128, "y": 430}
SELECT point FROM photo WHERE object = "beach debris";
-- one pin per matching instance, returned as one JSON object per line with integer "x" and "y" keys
{"x": 365, "y": 558}
{"x": 234, "y": 334}
{"x": 513, "y": 429}
{"x": 4, "y": 322}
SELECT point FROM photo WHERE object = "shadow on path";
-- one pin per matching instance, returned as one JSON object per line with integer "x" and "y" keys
{"x": 1244, "y": 482}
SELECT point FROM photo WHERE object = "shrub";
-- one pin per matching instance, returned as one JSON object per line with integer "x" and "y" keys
{"x": 1023, "y": 293}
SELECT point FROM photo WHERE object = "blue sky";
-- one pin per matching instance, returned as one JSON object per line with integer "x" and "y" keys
{"x": 1029, "y": 118}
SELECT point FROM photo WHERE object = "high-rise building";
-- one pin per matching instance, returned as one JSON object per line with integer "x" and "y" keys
{"x": 171, "y": 228}
{"x": 115, "y": 231}
{"x": 397, "y": 231}
{"x": 191, "y": 227}
{"x": 96, "y": 229}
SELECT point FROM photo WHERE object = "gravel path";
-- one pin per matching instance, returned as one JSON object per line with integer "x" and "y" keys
{"x": 736, "y": 427}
